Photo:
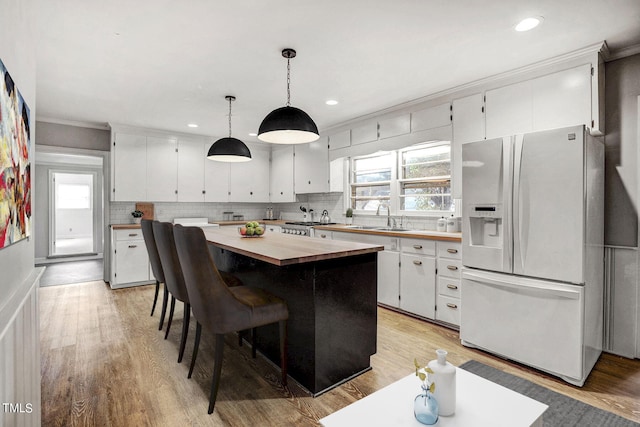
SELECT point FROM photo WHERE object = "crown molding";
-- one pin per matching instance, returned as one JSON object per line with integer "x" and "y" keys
{"x": 622, "y": 53}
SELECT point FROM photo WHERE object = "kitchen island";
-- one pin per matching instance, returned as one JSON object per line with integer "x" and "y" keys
{"x": 331, "y": 290}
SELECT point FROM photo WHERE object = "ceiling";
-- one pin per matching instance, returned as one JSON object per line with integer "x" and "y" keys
{"x": 162, "y": 64}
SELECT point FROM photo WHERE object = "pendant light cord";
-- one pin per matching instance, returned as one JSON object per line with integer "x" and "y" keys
{"x": 230, "y": 99}
{"x": 288, "y": 82}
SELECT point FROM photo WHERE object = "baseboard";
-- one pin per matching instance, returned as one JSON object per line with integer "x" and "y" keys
{"x": 53, "y": 260}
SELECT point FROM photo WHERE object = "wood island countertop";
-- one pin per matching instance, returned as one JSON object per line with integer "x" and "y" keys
{"x": 414, "y": 234}
{"x": 284, "y": 249}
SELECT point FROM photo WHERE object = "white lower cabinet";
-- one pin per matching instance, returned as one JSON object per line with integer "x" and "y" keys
{"x": 418, "y": 284}
{"x": 129, "y": 259}
{"x": 389, "y": 278}
{"x": 448, "y": 303}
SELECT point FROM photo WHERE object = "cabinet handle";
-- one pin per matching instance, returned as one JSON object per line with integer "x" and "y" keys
{"x": 251, "y": 192}
{"x": 133, "y": 246}
{"x": 452, "y": 251}
{"x": 455, "y": 307}
{"x": 204, "y": 192}
{"x": 323, "y": 236}
{"x": 452, "y": 267}
{"x": 281, "y": 193}
{"x": 452, "y": 287}
{"x": 133, "y": 234}
{"x": 417, "y": 246}
{"x": 309, "y": 182}
{"x": 416, "y": 262}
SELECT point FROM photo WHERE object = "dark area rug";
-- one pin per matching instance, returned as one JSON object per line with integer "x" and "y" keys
{"x": 563, "y": 411}
{"x": 64, "y": 273}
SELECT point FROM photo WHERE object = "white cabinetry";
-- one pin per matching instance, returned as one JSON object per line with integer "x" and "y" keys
{"x": 418, "y": 276}
{"x": 362, "y": 134}
{"x": 430, "y": 118}
{"x": 311, "y": 167}
{"x": 249, "y": 181}
{"x": 338, "y": 170}
{"x": 448, "y": 304}
{"x": 216, "y": 178}
{"x": 129, "y": 168}
{"x": 389, "y": 278}
{"x": 395, "y": 126}
{"x": 552, "y": 101}
{"x": 282, "y": 174}
{"x": 129, "y": 259}
{"x": 340, "y": 140}
{"x": 190, "y": 171}
{"x": 468, "y": 119}
{"x": 162, "y": 169}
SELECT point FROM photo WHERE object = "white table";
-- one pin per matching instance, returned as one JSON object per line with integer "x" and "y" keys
{"x": 479, "y": 402}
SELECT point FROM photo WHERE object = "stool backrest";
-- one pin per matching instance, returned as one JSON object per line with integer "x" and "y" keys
{"x": 212, "y": 302}
{"x": 174, "y": 280}
{"x": 152, "y": 249}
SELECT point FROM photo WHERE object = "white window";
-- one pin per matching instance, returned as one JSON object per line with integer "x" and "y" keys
{"x": 425, "y": 178}
{"x": 371, "y": 179}
{"x": 414, "y": 180}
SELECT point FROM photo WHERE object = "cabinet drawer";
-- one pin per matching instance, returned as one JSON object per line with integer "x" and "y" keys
{"x": 134, "y": 234}
{"x": 449, "y": 287}
{"x": 448, "y": 310}
{"x": 449, "y": 250}
{"x": 449, "y": 268}
{"x": 418, "y": 246}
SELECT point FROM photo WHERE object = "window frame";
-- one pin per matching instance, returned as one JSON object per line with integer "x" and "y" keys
{"x": 396, "y": 181}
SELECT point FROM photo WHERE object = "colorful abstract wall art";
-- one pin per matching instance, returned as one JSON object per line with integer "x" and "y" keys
{"x": 15, "y": 167}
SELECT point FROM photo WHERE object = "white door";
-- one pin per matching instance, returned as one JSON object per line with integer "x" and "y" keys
{"x": 545, "y": 320}
{"x": 312, "y": 167}
{"x": 130, "y": 168}
{"x": 190, "y": 171}
{"x": 162, "y": 169}
{"x": 389, "y": 278}
{"x": 418, "y": 285}
{"x": 216, "y": 179}
{"x": 548, "y": 205}
{"x": 282, "y": 174}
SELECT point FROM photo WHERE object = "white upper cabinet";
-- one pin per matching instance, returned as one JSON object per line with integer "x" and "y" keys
{"x": 340, "y": 140}
{"x": 282, "y": 174}
{"x": 430, "y": 118}
{"x": 562, "y": 99}
{"x": 162, "y": 169}
{"x": 556, "y": 100}
{"x": 249, "y": 181}
{"x": 216, "y": 178}
{"x": 395, "y": 126}
{"x": 364, "y": 133}
{"x": 311, "y": 167}
{"x": 509, "y": 110}
{"x": 338, "y": 170}
{"x": 190, "y": 171}
{"x": 129, "y": 168}
{"x": 468, "y": 119}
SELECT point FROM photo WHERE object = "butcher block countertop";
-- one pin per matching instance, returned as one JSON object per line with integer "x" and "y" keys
{"x": 284, "y": 249}
{"x": 414, "y": 234}
{"x": 126, "y": 226}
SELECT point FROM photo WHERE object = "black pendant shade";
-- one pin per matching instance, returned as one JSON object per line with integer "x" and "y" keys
{"x": 229, "y": 149}
{"x": 288, "y": 125}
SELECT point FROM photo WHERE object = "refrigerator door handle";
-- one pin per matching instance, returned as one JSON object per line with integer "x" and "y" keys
{"x": 518, "y": 261}
{"x": 523, "y": 286}
{"x": 507, "y": 196}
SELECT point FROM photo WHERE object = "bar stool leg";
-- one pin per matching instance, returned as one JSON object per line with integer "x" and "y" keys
{"x": 217, "y": 369}
{"x": 173, "y": 306}
{"x": 185, "y": 330}
{"x": 155, "y": 298}
{"x": 196, "y": 344}
{"x": 164, "y": 307}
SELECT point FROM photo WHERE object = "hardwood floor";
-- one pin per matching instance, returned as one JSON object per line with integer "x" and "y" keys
{"x": 104, "y": 362}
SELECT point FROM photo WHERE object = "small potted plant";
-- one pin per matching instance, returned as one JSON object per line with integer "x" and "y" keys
{"x": 349, "y": 216}
{"x": 137, "y": 216}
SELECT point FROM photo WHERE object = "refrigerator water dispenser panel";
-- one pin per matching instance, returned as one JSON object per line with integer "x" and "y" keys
{"x": 485, "y": 226}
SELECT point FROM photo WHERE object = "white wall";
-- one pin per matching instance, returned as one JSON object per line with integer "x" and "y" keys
{"x": 20, "y": 375}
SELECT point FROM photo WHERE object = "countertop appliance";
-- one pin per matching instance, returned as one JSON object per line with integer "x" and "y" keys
{"x": 302, "y": 228}
{"x": 195, "y": 222}
{"x": 532, "y": 249}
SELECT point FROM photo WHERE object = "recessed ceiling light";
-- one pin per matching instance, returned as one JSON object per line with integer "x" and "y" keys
{"x": 331, "y": 102}
{"x": 529, "y": 23}
{"x": 253, "y": 134}
{"x": 192, "y": 125}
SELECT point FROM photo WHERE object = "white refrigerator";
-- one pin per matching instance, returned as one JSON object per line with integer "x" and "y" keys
{"x": 532, "y": 249}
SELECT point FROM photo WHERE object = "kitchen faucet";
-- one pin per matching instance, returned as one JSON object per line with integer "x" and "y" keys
{"x": 388, "y": 212}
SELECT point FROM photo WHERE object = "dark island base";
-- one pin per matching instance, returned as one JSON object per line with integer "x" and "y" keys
{"x": 332, "y": 314}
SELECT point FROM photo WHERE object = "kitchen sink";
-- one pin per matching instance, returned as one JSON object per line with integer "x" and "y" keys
{"x": 376, "y": 228}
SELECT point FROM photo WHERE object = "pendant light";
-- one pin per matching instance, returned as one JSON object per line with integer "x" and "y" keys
{"x": 288, "y": 125}
{"x": 229, "y": 149}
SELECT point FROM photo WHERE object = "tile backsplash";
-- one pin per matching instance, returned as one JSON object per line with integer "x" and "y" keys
{"x": 332, "y": 202}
